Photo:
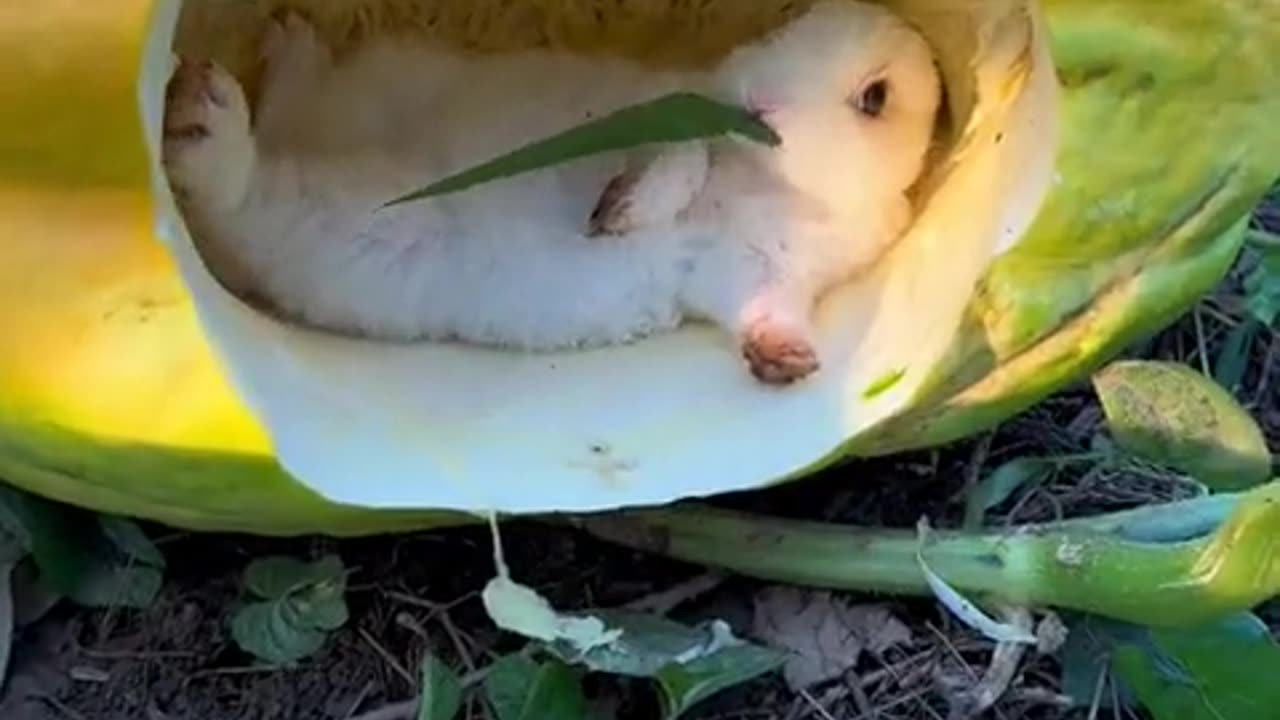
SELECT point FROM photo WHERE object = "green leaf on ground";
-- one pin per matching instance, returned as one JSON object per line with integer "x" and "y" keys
{"x": 264, "y": 630}
{"x": 520, "y": 609}
{"x": 1216, "y": 671}
{"x": 1233, "y": 356}
{"x": 1001, "y": 484}
{"x": 1086, "y": 659}
{"x": 646, "y": 643}
{"x": 1262, "y": 284}
{"x": 1169, "y": 414}
{"x": 92, "y": 561}
{"x": 689, "y": 663}
{"x": 130, "y": 540}
{"x": 129, "y": 577}
{"x": 519, "y": 688}
{"x": 58, "y": 544}
{"x": 276, "y": 576}
{"x": 1225, "y": 672}
{"x": 441, "y": 695}
{"x": 110, "y": 585}
{"x": 302, "y": 602}
{"x": 671, "y": 118}
{"x": 684, "y": 685}
{"x": 48, "y": 551}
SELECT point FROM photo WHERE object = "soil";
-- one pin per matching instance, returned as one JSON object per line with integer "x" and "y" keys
{"x": 176, "y": 660}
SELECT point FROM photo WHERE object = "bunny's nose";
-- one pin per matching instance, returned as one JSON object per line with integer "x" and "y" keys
{"x": 760, "y": 106}
{"x": 763, "y": 111}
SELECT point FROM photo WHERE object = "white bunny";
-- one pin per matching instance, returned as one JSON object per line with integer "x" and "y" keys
{"x": 605, "y": 249}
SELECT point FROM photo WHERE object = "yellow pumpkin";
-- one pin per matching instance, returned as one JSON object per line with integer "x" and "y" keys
{"x": 131, "y": 383}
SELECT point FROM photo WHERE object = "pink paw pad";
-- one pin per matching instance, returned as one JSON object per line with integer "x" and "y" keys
{"x": 778, "y": 355}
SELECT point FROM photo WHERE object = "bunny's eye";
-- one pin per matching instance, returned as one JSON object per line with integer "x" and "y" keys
{"x": 870, "y": 101}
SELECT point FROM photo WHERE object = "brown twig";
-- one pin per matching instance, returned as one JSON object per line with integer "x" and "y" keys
{"x": 387, "y": 657}
{"x": 1000, "y": 672}
{"x": 819, "y": 707}
{"x": 664, "y": 601}
{"x": 355, "y": 704}
{"x": 61, "y": 707}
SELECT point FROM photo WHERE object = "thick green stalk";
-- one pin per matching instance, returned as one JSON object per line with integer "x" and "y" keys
{"x": 1171, "y": 565}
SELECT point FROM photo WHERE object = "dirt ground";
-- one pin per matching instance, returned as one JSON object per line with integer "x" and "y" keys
{"x": 177, "y": 661}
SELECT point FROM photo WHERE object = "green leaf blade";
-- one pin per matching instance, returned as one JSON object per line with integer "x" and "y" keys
{"x": 519, "y": 688}
{"x": 107, "y": 585}
{"x": 1087, "y": 654}
{"x": 441, "y": 696}
{"x": 1001, "y": 484}
{"x": 264, "y": 630}
{"x": 1262, "y": 284}
{"x": 302, "y": 603}
{"x": 647, "y": 644}
{"x": 1233, "y": 357}
{"x": 686, "y": 685}
{"x": 677, "y": 117}
{"x": 508, "y": 683}
{"x": 57, "y": 537}
{"x": 321, "y": 610}
{"x": 130, "y": 540}
{"x": 276, "y": 576}
{"x": 1215, "y": 671}
{"x": 1227, "y": 670}
{"x": 94, "y": 561}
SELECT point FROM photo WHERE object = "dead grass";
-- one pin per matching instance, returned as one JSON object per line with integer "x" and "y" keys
{"x": 410, "y": 593}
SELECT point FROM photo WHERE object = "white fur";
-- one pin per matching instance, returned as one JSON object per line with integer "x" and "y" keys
{"x": 741, "y": 234}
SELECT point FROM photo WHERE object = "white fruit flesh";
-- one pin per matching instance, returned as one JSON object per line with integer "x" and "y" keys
{"x": 448, "y": 427}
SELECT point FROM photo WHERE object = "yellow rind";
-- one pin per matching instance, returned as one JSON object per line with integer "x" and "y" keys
{"x": 110, "y": 396}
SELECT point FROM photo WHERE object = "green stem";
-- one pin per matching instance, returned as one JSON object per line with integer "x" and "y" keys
{"x": 1171, "y": 565}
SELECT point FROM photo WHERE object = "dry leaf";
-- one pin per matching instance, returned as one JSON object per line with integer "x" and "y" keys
{"x": 824, "y": 635}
